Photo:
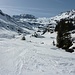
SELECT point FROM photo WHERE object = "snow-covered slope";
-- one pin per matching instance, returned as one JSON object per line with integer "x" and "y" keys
{"x": 34, "y": 56}
{"x": 7, "y": 23}
{"x": 27, "y": 18}
{"x": 67, "y": 14}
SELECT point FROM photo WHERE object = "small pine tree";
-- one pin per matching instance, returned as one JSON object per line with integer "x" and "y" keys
{"x": 63, "y": 36}
{"x": 23, "y": 38}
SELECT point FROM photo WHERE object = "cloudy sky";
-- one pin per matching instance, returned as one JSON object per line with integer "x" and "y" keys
{"x": 39, "y": 8}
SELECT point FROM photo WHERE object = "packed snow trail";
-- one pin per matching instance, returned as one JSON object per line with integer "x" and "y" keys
{"x": 34, "y": 56}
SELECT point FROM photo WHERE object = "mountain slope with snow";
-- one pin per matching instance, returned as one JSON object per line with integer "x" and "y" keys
{"x": 67, "y": 14}
{"x": 35, "y": 55}
{"x": 9, "y": 24}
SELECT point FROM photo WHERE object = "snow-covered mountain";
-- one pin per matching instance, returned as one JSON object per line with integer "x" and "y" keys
{"x": 33, "y": 56}
{"x": 8, "y": 23}
{"x": 67, "y": 14}
{"x": 43, "y": 22}
{"x": 28, "y": 18}
{"x": 24, "y": 16}
{"x": 26, "y": 23}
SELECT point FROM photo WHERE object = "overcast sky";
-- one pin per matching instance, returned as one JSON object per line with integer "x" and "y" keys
{"x": 39, "y": 8}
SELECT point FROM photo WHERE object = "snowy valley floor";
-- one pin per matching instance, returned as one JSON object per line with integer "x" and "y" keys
{"x": 34, "y": 56}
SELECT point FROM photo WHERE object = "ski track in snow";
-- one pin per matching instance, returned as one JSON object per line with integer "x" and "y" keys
{"x": 31, "y": 57}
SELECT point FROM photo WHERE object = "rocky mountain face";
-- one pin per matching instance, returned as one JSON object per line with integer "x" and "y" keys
{"x": 23, "y": 16}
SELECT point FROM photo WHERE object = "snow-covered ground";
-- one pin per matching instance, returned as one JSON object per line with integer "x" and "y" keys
{"x": 34, "y": 56}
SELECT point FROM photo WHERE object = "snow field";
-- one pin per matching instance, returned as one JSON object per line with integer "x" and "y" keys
{"x": 34, "y": 56}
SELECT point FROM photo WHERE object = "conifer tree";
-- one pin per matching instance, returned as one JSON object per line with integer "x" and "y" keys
{"x": 63, "y": 36}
